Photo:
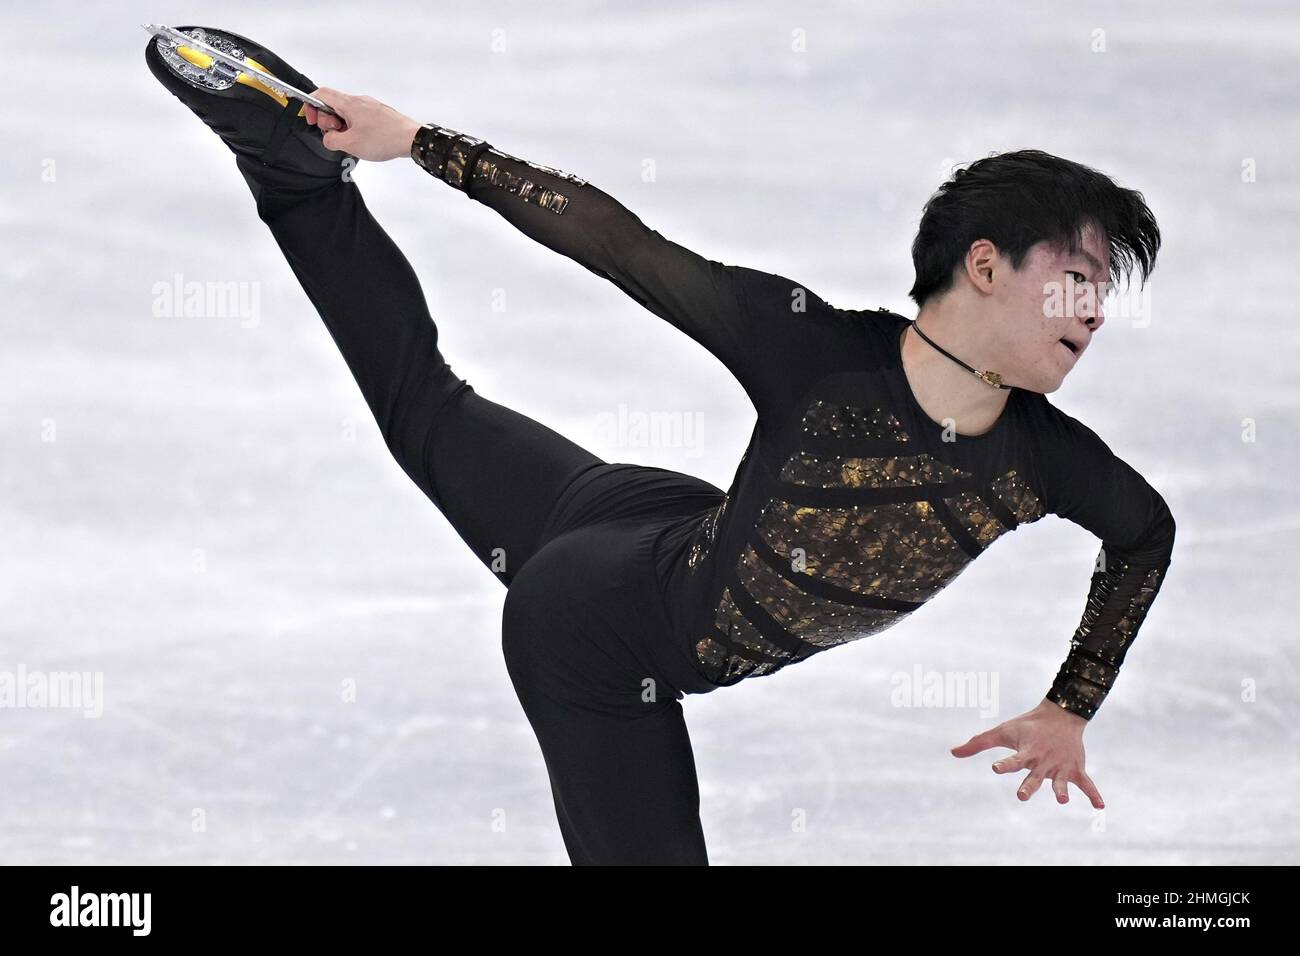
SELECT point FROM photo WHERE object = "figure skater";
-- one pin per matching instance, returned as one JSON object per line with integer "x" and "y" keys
{"x": 888, "y": 453}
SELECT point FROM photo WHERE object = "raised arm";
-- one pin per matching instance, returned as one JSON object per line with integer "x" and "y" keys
{"x": 771, "y": 333}
{"x": 567, "y": 214}
{"x": 757, "y": 324}
{"x": 1085, "y": 482}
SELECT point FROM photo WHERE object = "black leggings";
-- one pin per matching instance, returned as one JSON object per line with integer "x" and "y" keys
{"x": 587, "y": 641}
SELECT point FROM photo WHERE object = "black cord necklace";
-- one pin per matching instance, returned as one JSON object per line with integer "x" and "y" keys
{"x": 991, "y": 378}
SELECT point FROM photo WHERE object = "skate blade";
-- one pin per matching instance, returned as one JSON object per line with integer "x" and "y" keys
{"x": 206, "y": 72}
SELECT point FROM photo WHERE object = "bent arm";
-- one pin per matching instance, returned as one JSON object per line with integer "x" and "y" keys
{"x": 755, "y": 323}
{"x": 1091, "y": 486}
{"x": 1119, "y": 598}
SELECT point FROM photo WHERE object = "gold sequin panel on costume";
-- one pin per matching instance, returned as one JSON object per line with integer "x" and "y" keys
{"x": 976, "y": 517}
{"x": 751, "y": 654}
{"x": 706, "y": 535}
{"x": 900, "y": 551}
{"x": 825, "y": 419}
{"x": 817, "y": 620}
{"x": 869, "y": 563}
{"x": 1012, "y": 491}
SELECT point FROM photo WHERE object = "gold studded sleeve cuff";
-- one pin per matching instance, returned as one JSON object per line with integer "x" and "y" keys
{"x": 468, "y": 163}
{"x": 1118, "y": 601}
{"x": 447, "y": 154}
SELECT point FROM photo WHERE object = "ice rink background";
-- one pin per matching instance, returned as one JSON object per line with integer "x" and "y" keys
{"x": 202, "y": 508}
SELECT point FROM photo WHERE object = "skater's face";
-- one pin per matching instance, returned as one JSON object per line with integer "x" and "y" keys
{"x": 1053, "y": 299}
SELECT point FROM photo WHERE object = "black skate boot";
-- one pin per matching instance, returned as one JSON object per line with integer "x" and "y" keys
{"x": 279, "y": 153}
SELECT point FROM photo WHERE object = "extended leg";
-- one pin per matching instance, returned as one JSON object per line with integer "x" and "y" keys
{"x": 495, "y": 474}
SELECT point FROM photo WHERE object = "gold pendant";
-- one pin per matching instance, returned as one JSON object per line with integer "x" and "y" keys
{"x": 992, "y": 378}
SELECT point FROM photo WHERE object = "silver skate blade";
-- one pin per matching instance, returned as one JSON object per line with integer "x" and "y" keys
{"x": 284, "y": 89}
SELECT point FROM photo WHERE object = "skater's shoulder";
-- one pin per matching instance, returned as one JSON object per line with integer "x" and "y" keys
{"x": 1042, "y": 411}
{"x": 880, "y": 317}
{"x": 1055, "y": 432}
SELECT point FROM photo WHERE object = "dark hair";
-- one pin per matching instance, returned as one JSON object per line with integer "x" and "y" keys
{"x": 1016, "y": 200}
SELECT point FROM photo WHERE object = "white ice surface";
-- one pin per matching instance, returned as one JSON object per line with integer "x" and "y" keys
{"x": 322, "y": 563}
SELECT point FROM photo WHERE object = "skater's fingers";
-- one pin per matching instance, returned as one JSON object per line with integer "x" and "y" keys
{"x": 1084, "y": 783}
{"x": 340, "y": 103}
{"x": 335, "y": 140}
{"x": 311, "y": 113}
{"x": 1011, "y": 764}
{"x": 994, "y": 737}
{"x": 1030, "y": 786}
{"x": 1061, "y": 786}
{"x": 329, "y": 96}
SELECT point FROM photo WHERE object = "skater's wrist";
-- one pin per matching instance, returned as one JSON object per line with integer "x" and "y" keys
{"x": 418, "y": 146}
{"x": 409, "y": 128}
{"x": 1067, "y": 698}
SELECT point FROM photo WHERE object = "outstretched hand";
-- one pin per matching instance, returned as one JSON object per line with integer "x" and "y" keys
{"x": 1049, "y": 744}
{"x": 369, "y": 130}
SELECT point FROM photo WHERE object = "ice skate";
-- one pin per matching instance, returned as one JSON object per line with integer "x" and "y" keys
{"x": 254, "y": 119}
